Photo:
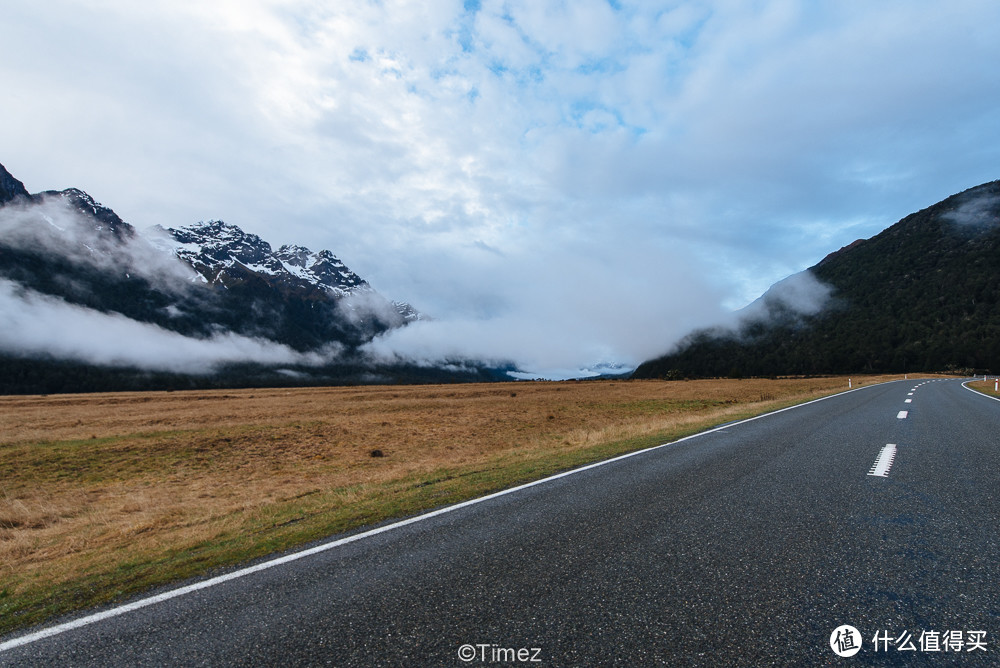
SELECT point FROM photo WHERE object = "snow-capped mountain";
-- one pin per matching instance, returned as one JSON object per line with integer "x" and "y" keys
{"x": 91, "y": 303}
{"x": 322, "y": 269}
{"x": 223, "y": 254}
{"x": 198, "y": 280}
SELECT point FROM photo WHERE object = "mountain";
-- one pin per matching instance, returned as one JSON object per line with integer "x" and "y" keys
{"x": 225, "y": 255}
{"x": 920, "y": 296}
{"x": 68, "y": 245}
{"x": 10, "y": 188}
{"x": 299, "y": 284}
{"x": 87, "y": 296}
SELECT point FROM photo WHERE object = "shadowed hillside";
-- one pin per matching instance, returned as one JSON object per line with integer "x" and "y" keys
{"x": 921, "y": 295}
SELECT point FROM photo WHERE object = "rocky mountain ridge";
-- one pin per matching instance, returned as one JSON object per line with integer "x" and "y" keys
{"x": 210, "y": 283}
{"x": 223, "y": 254}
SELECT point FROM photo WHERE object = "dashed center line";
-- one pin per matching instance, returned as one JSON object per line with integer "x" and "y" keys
{"x": 902, "y": 415}
{"x": 908, "y": 401}
{"x": 884, "y": 462}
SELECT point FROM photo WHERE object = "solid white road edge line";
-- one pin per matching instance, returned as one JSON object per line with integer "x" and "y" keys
{"x": 211, "y": 582}
{"x": 884, "y": 462}
{"x": 966, "y": 386}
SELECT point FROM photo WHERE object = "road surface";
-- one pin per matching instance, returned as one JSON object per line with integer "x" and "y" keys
{"x": 747, "y": 546}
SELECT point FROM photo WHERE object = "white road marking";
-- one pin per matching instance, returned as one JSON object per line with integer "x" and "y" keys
{"x": 966, "y": 386}
{"x": 884, "y": 462}
{"x": 902, "y": 415}
{"x": 908, "y": 401}
{"x": 211, "y": 582}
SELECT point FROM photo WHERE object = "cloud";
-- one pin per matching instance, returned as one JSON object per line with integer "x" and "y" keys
{"x": 979, "y": 211}
{"x": 364, "y": 306}
{"x": 740, "y": 141}
{"x": 53, "y": 227}
{"x": 562, "y": 311}
{"x": 800, "y": 294}
{"x": 43, "y": 325}
{"x": 37, "y": 324}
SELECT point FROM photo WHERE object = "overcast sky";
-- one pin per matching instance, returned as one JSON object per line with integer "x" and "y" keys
{"x": 558, "y": 182}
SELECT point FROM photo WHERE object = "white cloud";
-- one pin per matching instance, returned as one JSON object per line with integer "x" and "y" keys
{"x": 801, "y": 294}
{"x": 739, "y": 141}
{"x": 54, "y": 227}
{"x": 37, "y": 324}
{"x": 564, "y": 310}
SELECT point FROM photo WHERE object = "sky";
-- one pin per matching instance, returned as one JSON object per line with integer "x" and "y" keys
{"x": 556, "y": 183}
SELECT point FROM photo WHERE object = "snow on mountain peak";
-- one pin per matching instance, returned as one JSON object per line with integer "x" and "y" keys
{"x": 223, "y": 252}
{"x": 210, "y": 281}
{"x": 297, "y": 256}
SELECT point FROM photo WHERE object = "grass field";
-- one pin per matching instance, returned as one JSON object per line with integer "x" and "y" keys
{"x": 104, "y": 495}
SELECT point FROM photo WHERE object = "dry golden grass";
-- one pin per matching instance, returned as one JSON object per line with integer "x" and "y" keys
{"x": 104, "y": 494}
{"x": 985, "y": 386}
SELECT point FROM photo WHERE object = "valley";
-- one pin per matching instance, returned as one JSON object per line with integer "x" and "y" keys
{"x": 104, "y": 495}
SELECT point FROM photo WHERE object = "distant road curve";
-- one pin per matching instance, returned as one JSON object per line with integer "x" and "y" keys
{"x": 744, "y": 545}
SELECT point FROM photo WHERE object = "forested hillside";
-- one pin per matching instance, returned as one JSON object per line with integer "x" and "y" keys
{"x": 921, "y": 295}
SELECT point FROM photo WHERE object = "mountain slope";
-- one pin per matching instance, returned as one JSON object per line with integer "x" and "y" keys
{"x": 292, "y": 295}
{"x": 10, "y": 188}
{"x": 921, "y": 295}
{"x": 194, "y": 300}
{"x": 193, "y": 280}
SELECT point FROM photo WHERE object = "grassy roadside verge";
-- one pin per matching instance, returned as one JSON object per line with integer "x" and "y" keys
{"x": 984, "y": 387}
{"x": 104, "y": 496}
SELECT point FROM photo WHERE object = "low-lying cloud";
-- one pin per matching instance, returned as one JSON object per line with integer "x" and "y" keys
{"x": 363, "y": 306}
{"x": 800, "y": 294}
{"x": 763, "y": 134}
{"x": 981, "y": 211}
{"x": 554, "y": 312}
{"x": 551, "y": 312}
{"x": 37, "y": 324}
{"x": 54, "y": 228}
{"x": 43, "y": 325}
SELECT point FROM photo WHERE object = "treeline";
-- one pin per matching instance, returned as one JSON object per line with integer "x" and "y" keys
{"x": 49, "y": 376}
{"x": 833, "y": 348}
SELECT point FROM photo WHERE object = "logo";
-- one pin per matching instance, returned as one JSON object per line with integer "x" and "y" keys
{"x": 845, "y": 640}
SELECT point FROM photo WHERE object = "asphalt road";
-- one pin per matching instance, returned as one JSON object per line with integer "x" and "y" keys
{"x": 747, "y": 546}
